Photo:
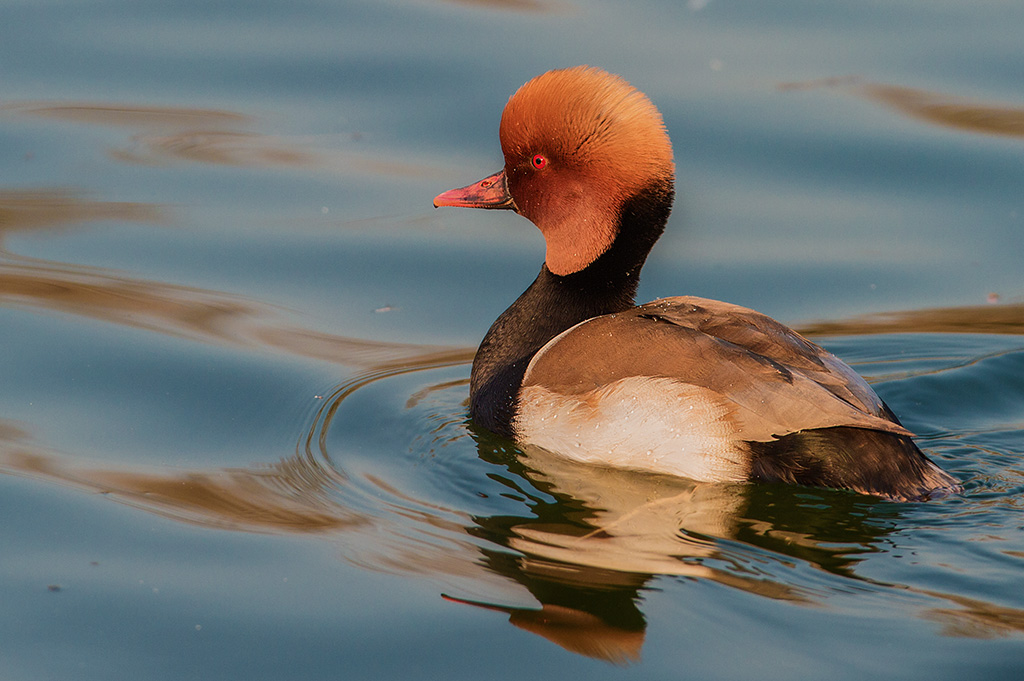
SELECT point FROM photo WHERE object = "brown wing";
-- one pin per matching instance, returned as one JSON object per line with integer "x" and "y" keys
{"x": 771, "y": 380}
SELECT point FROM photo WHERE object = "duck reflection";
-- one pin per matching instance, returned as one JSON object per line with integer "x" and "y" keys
{"x": 590, "y": 553}
{"x": 613, "y": 637}
{"x": 611, "y": 529}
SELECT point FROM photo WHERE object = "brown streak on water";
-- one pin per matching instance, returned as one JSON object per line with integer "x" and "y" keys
{"x": 128, "y": 115}
{"x": 937, "y": 108}
{"x": 999, "y": 318}
{"x": 25, "y": 210}
{"x": 214, "y": 137}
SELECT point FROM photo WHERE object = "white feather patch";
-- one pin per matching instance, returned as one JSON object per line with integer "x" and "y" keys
{"x": 641, "y": 423}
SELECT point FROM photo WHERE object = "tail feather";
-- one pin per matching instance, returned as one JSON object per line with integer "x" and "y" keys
{"x": 868, "y": 461}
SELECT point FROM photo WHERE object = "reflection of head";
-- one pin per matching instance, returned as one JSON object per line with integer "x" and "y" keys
{"x": 578, "y": 631}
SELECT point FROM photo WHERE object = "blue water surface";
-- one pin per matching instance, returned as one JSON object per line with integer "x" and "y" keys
{"x": 234, "y": 439}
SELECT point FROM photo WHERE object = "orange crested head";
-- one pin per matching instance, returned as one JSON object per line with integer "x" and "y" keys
{"x": 588, "y": 121}
{"x": 578, "y": 144}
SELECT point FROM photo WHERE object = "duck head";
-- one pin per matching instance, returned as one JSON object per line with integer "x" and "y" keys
{"x": 579, "y": 144}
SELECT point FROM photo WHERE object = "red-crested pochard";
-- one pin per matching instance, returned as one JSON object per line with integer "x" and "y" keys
{"x": 684, "y": 386}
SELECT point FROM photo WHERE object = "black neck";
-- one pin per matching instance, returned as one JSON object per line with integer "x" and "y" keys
{"x": 555, "y": 303}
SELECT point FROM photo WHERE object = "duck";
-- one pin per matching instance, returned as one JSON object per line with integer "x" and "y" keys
{"x": 681, "y": 386}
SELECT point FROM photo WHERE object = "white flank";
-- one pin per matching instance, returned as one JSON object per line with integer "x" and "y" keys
{"x": 641, "y": 423}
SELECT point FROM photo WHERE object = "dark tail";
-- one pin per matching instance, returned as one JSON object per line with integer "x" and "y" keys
{"x": 867, "y": 461}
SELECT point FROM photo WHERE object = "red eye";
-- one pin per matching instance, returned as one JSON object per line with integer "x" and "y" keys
{"x": 539, "y": 162}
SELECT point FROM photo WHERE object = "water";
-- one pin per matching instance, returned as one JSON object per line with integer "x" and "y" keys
{"x": 233, "y": 429}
